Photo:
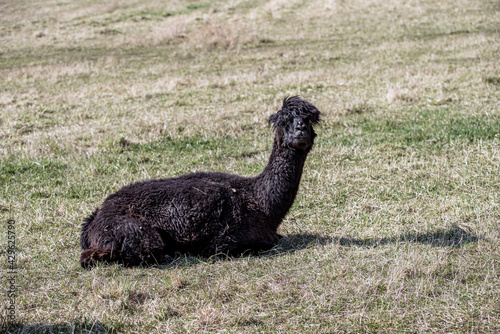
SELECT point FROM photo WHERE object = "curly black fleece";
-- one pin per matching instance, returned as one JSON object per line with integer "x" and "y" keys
{"x": 204, "y": 213}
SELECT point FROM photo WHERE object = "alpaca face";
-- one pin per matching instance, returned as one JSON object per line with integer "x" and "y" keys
{"x": 299, "y": 134}
{"x": 293, "y": 123}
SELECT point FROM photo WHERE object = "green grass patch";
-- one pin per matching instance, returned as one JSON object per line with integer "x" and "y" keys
{"x": 419, "y": 127}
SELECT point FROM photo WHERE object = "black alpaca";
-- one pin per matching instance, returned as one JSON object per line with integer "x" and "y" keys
{"x": 204, "y": 213}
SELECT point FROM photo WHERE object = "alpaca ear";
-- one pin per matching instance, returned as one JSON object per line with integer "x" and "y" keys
{"x": 297, "y": 106}
{"x": 293, "y": 106}
{"x": 273, "y": 119}
{"x": 310, "y": 111}
{"x": 313, "y": 113}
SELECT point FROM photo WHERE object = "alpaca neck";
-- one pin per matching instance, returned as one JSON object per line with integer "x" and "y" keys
{"x": 278, "y": 184}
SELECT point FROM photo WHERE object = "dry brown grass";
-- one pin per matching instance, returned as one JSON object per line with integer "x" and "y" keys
{"x": 395, "y": 228}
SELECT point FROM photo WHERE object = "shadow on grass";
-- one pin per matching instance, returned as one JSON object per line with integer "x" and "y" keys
{"x": 455, "y": 237}
{"x": 89, "y": 327}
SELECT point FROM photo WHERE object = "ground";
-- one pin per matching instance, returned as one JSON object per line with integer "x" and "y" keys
{"x": 396, "y": 225}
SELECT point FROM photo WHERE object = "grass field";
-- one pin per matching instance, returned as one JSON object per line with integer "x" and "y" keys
{"x": 396, "y": 227}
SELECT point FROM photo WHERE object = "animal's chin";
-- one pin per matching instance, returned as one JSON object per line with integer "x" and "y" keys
{"x": 301, "y": 142}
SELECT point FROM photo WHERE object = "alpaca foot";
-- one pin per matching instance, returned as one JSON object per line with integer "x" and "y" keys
{"x": 252, "y": 247}
{"x": 91, "y": 257}
{"x": 167, "y": 259}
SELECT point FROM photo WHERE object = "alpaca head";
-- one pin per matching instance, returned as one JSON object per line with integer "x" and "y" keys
{"x": 293, "y": 123}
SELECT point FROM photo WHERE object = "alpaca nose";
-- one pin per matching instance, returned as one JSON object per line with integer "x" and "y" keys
{"x": 300, "y": 126}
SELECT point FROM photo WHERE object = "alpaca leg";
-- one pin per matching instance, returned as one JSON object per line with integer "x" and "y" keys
{"x": 90, "y": 257}
{"x": 233, "y": 246}
{"x": 251, "y": 246}
{"x": 240, "y": 243}
{"x": 142, "y": 245}
{"x": 262, "y": 242}
{"x": 128, "y": 242}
